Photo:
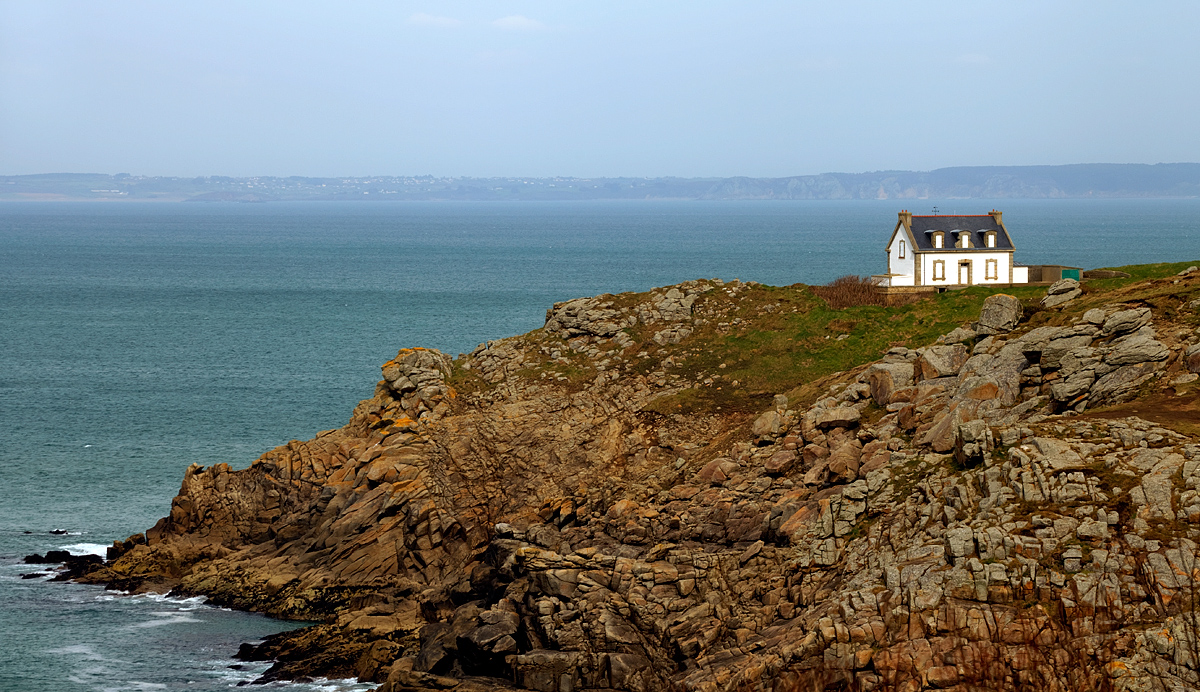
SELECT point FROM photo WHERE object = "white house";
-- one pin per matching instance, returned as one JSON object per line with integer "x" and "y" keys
{"x": 953, "y": 250}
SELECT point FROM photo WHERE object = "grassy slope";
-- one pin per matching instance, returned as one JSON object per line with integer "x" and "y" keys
{"x": 788, "y": 339}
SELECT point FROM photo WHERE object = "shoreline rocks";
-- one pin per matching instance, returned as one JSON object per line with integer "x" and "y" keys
{"x": 483, "y": 523}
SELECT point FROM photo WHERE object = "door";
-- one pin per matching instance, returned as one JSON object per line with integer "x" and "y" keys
{"x": 964, "y": 273}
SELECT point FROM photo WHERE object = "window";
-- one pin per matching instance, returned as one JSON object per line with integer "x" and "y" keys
{"x": 937, "y": 240}
{"x": 991, "y": 239}
{"x": 964, "y": 239}
{"x": 991, "y": 267}
{"x": 901, "y": 249}
{"x": 939, "y": 270}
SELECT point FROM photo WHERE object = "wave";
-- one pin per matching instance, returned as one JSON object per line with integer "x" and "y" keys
{"x": 164, "y": 618}
{"x": 85, "y": 548}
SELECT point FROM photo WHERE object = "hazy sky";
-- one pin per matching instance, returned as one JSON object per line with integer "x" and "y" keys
{"x": 592, "y": 88}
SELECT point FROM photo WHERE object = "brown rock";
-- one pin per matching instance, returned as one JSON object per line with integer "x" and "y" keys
{"x": 780, "y": 462}
{"x": 885, "y": 378}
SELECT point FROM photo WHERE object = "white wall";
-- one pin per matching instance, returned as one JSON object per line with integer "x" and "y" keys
{"x": 978, "y": 267}
{"x": 1020, "y": 275}
{"x": 905, "y": 266}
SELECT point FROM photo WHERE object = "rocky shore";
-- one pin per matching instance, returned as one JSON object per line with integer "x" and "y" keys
{"x": 596, "y": 505}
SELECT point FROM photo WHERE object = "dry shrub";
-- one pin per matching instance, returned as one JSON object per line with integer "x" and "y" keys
{"x": 850, "y": 291}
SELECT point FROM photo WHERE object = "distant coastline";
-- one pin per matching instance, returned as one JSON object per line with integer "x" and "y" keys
{"x": 1075, "y": 181}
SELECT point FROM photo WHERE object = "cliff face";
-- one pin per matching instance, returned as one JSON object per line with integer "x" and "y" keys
{"x": 599, "y": 504}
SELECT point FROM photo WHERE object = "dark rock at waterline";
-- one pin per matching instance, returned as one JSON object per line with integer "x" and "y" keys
{"x": 33, "y": 575}
{"x": 52, "y": 557}
{"x": 78, "y": 565}
{"x": 255, "y": 652}
{"x": 74, "y": 565}
{"x": 58, "y": 532}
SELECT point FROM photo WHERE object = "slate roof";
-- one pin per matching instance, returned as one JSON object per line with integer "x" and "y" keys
{"x": 978, "y": 225}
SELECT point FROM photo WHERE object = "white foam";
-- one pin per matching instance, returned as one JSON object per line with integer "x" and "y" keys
{"x": 336, "y": 685}
{"x": 164, "y": 619}
{"x": 84, "y": 651}
{"x": 85, "y": 548}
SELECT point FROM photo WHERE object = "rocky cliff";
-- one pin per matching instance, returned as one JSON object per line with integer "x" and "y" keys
{"x": 601, "y": 504}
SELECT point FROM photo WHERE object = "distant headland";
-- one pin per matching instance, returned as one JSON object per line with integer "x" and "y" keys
{"x": 1099, "y": 180}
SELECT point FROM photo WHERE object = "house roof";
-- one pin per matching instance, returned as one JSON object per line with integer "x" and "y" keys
{"x": 923, "y": 227}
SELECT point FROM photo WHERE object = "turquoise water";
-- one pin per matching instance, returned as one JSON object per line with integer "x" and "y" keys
{"x": 136, "y": 339}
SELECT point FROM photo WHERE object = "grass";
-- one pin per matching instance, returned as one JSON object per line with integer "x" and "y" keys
{"x": 789, "y": 349}
{"x": 805, "y": 340}
{"x": 1141, "y": 272}
{"x": 750, "y": 342}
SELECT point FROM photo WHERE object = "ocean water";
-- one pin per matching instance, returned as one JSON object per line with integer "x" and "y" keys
{"x": 136, "y": 339}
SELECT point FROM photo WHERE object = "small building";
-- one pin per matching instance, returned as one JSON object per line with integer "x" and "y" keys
{"x": 951, "y": 250}
{"x": 1049, "y": 273}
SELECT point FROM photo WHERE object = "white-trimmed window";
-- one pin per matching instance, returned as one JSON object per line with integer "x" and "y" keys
{"x": 939, "y": 270}
{"x": 991, "y": 268}
{"x": 901, "y": 249}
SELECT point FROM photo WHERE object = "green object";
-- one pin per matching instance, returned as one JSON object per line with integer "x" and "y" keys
{"x": 1070, "y": 274}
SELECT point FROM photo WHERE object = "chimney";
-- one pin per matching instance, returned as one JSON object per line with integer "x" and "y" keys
{"x": 998, "y": 216}
{"x": 906, "y": 218}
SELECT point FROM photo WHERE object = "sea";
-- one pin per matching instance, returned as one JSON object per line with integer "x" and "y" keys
{"x": 139, "y": 338}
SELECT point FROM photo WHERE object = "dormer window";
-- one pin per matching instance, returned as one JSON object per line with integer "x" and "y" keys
{"x": 901, "y": 249}
{"x": 964, "y": 239}
{"x": 938, "y": 241}
{"x": 990, "y": 238}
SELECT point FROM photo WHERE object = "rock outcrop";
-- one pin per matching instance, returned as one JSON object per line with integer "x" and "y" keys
{"x": 951, "y": 516}
{"x": 1060, "y": 292}
{"x": 1001, "y": 314}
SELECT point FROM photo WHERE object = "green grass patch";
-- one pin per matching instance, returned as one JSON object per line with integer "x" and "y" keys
{"x": 1141, "y": 272}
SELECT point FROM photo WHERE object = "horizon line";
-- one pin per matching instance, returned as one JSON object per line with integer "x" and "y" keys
{"x": 595, "y": 177}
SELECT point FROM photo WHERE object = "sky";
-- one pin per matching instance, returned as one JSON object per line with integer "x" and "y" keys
{"x": 607, "y": 88}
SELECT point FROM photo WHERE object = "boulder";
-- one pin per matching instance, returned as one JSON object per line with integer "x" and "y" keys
{"x": 1191, "y": 358}
{"x": 767, "y": 425}
{"x": 1077, "y": 360}
{"x": 960, "y": 542}
{"x": 780, "y": 462}
{"x": 1062, "y": 286}
{"x": 973, "y": 442}
{"x": 1061, "y": 292}
{"x": 415, "y": 369}
{"x": 959, "y": 335}
{"x": 1000, "y": 314}
{"x": 941, "y": 361}
{"x": 844, "y": 462}
{"x": 585, "y": 317}
{"x": 1120, "y": 384}
{"x": 1136, "y": 348}
{"x": 1055, "y": 349}
{"x": 712, "y": 473}
{"x": 1125, "y": 321}
{"x": 886, "y": 378}
{"x": 840, "y": 417}
{"x": 1073, "y": 386}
